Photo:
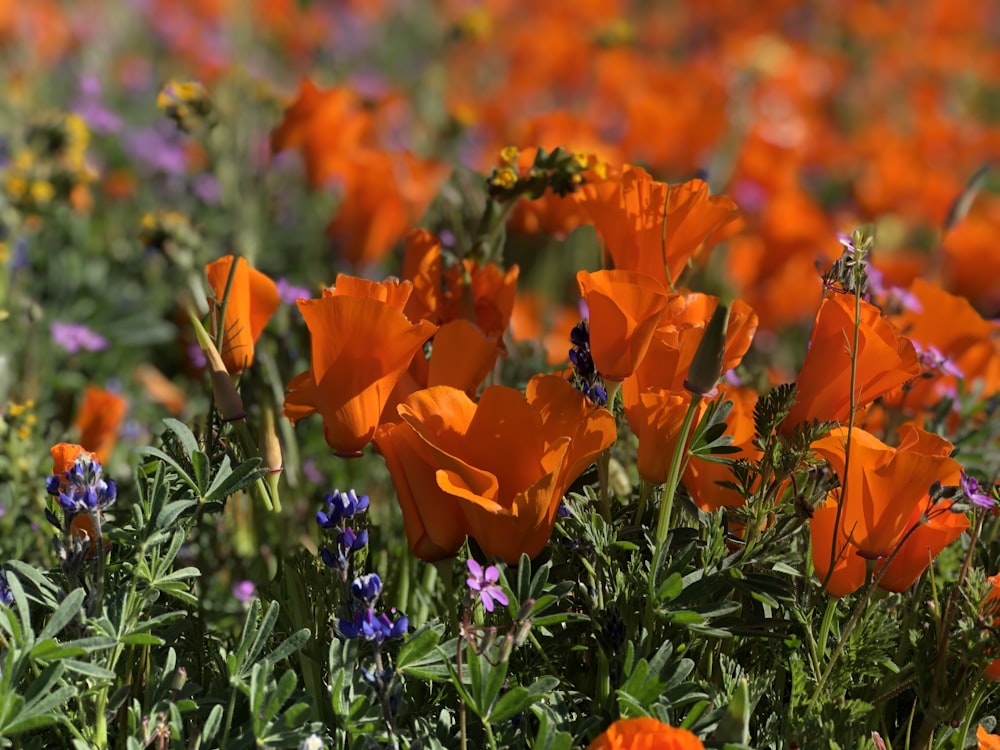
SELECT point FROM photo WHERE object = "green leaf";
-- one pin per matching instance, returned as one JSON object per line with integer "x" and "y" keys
{"x": 278, "y": 695}
{"x": 142, "y": 639}
{"x": 289, "y": 646}
{"x": 202, "y": 469}
{"x": 184, "y": 435}
{"x": 69, "y": 609}
{"x": 518, "y": 699}
{"x": 418, "y": 646}
{"x": 240, "y": 478}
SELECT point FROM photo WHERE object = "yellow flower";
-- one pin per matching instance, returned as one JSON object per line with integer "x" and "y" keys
{"x": 504, "y": 178}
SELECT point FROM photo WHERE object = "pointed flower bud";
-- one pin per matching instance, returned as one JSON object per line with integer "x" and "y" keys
{"x": 227, "y": 398}
{"x": 706, "y": 366}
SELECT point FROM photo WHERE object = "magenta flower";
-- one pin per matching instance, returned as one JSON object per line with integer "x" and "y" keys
{"x": 484, "y": 584}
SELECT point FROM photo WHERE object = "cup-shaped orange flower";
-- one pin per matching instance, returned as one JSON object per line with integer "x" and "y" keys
{"x": 497, "y": 469}
{"x": 98, "y": 419}
{"x": 675, "y": 341}
{"x": 253, "y": 298}
{"x": 882, "y": 485}
{"x": 625, "y": 309}
{"x": 645, "y": 733}
{"x": 655, "y": 418}
{"x": 885, "y": 360}
{"x": 652, "y": 227}
{"x": 362, "y": 343}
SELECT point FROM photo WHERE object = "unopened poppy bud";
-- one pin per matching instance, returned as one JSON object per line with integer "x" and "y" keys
{"x": 706, "y": 366}
{"x": 270, "y": 448}
{"x": 227, "y": 398}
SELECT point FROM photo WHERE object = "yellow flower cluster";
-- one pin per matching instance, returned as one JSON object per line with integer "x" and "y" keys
{"x": 51, "y": 165}
{"x": 23, "y": 414}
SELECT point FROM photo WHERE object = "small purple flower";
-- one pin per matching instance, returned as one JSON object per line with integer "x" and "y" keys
{"x": 484, "y": 584}
{"x": 90, "y": 106}
{"x": 311, "y": 472}
{"x": 975, "y": 495}
{"x": 243, "y": 591}
{"x": 289, "y": 294}
{"x": 75, "y": 337}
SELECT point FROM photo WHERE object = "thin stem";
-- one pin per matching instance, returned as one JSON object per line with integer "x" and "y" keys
{"x": 834, "y": 554}
{"x": 673, "y": 477}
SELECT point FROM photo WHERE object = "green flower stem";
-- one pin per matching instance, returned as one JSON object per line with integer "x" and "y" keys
{"x": 673, "y": 478}
{"x": 403, "y": 583}
{"x": 645, "y": 490}
{"x": 669, "y": 490}
{"x": 603, "y": 475}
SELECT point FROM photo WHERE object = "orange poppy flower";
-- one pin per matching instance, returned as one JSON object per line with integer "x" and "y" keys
{"x": 159, "y": 388}
{"x": 253, "y": 298}
{"x": 645, "y": 734}
{"x": 383, "y": 194}
{"x": 652, "y": 227}
{"x": 885, "y": 360}
{"x": 461, "y": 356}
{"x": 676, "y": 339}
{"x": 64, "y": 455}
{"x": 495, "y": 470}
{"x": 362, "y": 343}
{"x": 655, "y": 418}
{"x": 482, "y": 294}
{"x": 327, "y": 125}
{"x": 934, "y": 531}
{"x": 98, "y": 420}
{"x": 886, "y": 495}
{"x": 986, "y": 740}
{"x": 625, "y": 308}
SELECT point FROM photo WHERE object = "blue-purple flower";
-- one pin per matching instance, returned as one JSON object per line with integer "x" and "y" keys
{"x": 373, "y": 627}
{"x": 483, "y": 583}
{"x": 82, "y": 488}
{"x": 340, "y": 505}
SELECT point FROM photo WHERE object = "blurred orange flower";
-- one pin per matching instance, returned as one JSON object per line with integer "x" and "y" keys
{"x": 98, "y": 419}
{"x": 885, "y": 360}
{"x": 253, "y": 298}
{"x": 495, "y": 470}
{"x": 383, "y": 194}
{"x": 362, "y": 343}
{"x": 645, "y": 734}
